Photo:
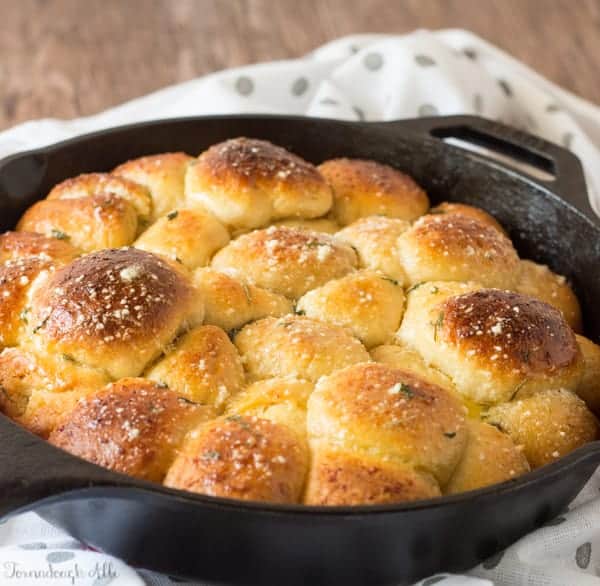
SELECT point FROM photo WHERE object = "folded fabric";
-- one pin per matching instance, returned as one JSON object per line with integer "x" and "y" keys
{"x": 365, "y": 77}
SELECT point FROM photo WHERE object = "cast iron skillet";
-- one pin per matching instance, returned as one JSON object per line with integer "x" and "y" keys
{"x": 223, "y": 541}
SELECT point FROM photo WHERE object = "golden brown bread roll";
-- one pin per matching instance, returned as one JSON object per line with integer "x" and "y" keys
{"x": 368, "y": 304}
{"x": 162, "y": 175}
{"x": 190, "y": 237}
{"x": 89, "y": 223}
{"x": 493, "y": 344}
{"x": 548, "y": 425}
{"x": 588, "y": 388}
{"x": 454, "y": 247}
{"x": 20, "y": 245}
{"x": 540, "y": 282}
{"x": 281, "y": 400}
{"x": 447, "y": 207}
{"x": 91, "y": 184}
{"x": 245, "y": 458}
{"x": 230, "y": 303}
{"x": 297, "y": 346}
{"x": 37, "y": 391}
{"x": 490, "y": 457}
{"x": 366, "y": 188}
{"x": 318, "y": 225}
{"x": 375, "y": 239}
{"x": 202, "y": 366}
{"x": 114, "y": 309}
{"x": 132, "y": 426}
{"x": 389, "y": 417}
{"x": 247, "y": 182}
{"x": 287, "y": 261}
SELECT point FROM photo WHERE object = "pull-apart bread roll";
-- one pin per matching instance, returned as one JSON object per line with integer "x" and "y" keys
{"x": 366, "y": 188}
{"x": 246, "y": 183}
{"x": 89, "y": 223}
{"x": 540, "y": 282}
{"x": 202, "y": 366}
{"x": 115, "y": 310}
{"x": 298, "y": 346}
{"x": 25, "y": 258}
{"x": 162, "y": 175}
{"x": 231, "y": 303}
{"x": 247, "y": 325}
{"x": 454, "y": 247}
{"x": 493, "y": 344}
{"x": 242, "y": 457}
{"x": 287, "y": 261}
{"x": 375, "y": 240}
{"x": 132, "y": 426}
{"x": 190, "y": 237}
{"x": 380, "y": 434}
{"x": 368, "y": 304}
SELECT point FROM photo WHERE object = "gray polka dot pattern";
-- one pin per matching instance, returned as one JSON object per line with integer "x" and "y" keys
{"x": 428, "y": 110}
{"x": 103, "y": 581}
{"x": 56, "y": 557}
{"x": 33, "y": 546}
{"x": 551, "y": 108}
{"x": 478, "y": 103}
{"x": 329, "y": 102}
{"x": 359, "y": 113}
{"x": 244, "y": 85}
{"x": 567, "y": 139}
{"x": 505, "y": 87}
{"x": 424, "y": 60}
{"x": 583, "y": 555}
{"x": 373, "y": 61}
{"x": 470, "y": 53}
{"x": 300, "y": 86}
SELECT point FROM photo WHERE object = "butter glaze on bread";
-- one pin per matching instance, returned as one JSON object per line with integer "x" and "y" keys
{"x": 366, "y": 188}
{"x": 246, "y": 325}
{"x": 247, "y": 183}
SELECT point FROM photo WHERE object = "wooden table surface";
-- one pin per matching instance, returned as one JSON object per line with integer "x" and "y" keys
{"x": 66, "y": 58}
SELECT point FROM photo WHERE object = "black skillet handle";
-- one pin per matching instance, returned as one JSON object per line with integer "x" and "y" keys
{"x": 31, "y": 469}
{"x": 561, "y": 171}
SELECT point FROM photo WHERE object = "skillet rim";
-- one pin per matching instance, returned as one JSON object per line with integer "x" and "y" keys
{"x": 418, "y": 128}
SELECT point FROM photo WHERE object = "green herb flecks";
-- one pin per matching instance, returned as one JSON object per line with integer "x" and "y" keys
{"x": 450, "y": 434}
{"x": 415, "y": 287}
{"x": 172, "y": 215}
{"x": 23, "y": 315}
{"x": 392, "y": 281}
{"x": 402, "y": 388}
{"x": 437, "y": 324}
{"x": 59, "y": 234}
{"x": 211, "y": 456}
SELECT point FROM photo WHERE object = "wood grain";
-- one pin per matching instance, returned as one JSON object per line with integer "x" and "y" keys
{"x": 66, "y": 58}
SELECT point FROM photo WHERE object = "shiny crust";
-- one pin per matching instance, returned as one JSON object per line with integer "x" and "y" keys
{"x": 548, "y": 425}
{"x": 454, "y": 247}
{"x": 540, "y": 282}
{"x": 19, "y": 245}
{"x": 318, "y": 225}
{"x": 104, "y": 184}
{"x": 447, "y": 207}
{"x": 39, "y": 390}
{"x": 88, "y": 223}
{"x": 492, "y": 343}
{"x": 114, "y": 309}
{"x": 366, "y": 188}
{"x": 248, "y": 182}
{"x": 297, "y": 346}
{"x": 339, "y": 479}
{"x": 190, "y": 237}
{"x": 375, "y": 240}
{"x": 490, "y": 457}
{"x": 231, "y": 303}
{"x": 133, "y": 426}
{"x": 202, "y": 366}
{"x": 368, "y": 304}
{"x": 389, "y": 414}
{"x": 287, "y": 261}
{"x": 162, "y": 175}
{"x": 245, "y": 458}
{"x": 281, "y": 400}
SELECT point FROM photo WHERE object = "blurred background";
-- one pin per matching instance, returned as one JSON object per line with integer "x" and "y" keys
{"x": 66, "y": 58}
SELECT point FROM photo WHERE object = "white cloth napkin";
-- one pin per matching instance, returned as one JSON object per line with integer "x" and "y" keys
{"x": 370, "y": 77}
